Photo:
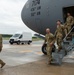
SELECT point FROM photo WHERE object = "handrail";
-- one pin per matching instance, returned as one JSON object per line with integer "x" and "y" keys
{"x": 68, "y": 33}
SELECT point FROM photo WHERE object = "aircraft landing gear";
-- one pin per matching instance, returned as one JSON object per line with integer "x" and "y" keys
{"x": 44, "y": 49}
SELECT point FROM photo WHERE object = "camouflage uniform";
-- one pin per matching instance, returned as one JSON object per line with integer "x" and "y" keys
{"x": 59, "y": 35}
{"x": 69, "y": 23}
{"x": 49, "y": 40}
{"x": 1, "y": 62}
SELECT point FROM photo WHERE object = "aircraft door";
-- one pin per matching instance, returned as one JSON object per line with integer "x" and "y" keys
{"x": 66, "y": 10}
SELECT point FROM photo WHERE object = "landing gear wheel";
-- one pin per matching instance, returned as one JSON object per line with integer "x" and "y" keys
{"x": 44, "y": 49}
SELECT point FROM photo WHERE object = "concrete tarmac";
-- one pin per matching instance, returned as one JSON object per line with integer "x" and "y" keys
{"x": 29, "y": 60}
{"x": 20, "y": 54}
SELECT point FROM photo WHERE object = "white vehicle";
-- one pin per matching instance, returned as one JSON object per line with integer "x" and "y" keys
{"x": 21, "y": 38}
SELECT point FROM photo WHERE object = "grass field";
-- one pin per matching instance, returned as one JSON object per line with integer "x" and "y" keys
{"x": 34, "y": 39}
{"x": 7, "y": 37}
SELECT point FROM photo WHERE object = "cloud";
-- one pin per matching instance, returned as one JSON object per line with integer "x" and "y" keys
{"x": 10, "y": 16}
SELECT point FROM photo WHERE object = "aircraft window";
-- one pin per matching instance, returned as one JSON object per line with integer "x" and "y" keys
{"x": 27, "y": 4}
{"x": 38, "y": 13}
{"x": 33, "y": 14}
{"x": 38, "y": 8}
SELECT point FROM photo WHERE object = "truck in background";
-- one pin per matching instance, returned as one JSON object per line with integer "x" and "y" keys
{"x": 21, "y": 38}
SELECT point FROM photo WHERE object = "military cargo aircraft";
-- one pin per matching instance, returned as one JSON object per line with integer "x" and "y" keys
{"x": 41, "y": 14}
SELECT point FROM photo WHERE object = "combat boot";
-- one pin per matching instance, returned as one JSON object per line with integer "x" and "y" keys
{"x": 2, "y": 64}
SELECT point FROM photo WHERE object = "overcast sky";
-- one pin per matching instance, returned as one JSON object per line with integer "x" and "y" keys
{"x": 10, "y": 16}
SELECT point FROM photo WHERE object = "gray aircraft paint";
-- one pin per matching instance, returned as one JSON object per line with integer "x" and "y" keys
{"x": 50, "y": 12}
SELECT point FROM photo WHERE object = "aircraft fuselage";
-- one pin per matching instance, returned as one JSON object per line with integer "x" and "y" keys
{"x": 41, "y": 14}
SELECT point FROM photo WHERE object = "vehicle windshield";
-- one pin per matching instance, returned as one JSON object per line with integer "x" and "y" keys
{"x": 16, "y": 35}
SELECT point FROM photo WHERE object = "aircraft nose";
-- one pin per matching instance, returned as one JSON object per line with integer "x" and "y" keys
{"x": 27, "y": 18}
{"x": 26, "y": 15}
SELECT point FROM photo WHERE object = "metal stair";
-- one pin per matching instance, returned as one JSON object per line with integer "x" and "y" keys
{"x": 67, "y": 46}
